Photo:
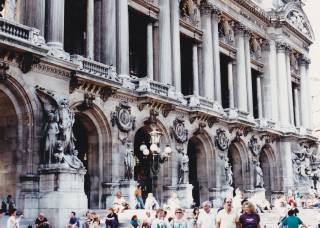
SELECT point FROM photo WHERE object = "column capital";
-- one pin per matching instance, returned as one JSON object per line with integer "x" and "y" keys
{"x": 281, "y": 46}
{"x": 304, "y": 60}
{"x": 239, "y": 28}
{"x": 206, "y": 9}
{"x": 216, "y": 10}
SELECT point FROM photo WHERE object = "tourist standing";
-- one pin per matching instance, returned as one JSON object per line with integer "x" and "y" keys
{"x": 292, "y": 221}
{"x": 112, "y": 219}
{"x": 147, "y": 220}
{"x": 249, "y": 219}
{"x": 179, "y": 221}
{"x": 13, "y": 221}
{"x": 206, "y": 217}
{"x": 195, "y": 216}
{"x": 159, "y": 220}
{"x": 227, "y": 217}
{"x": 138, "y": 194}
{"x": 42, "y": 221}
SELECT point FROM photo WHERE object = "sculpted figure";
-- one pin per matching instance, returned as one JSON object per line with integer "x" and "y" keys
{"x": 255, "y": 47}
{"x": 66, "y": 121}
{"x": 294, "y": 62}
{"x": 226, "y": 30}
{"x": 73, "y": 161}
{"x": 129, "y": 161}
{"x": 259, "y": 175}
{"x": 228, "y": 172}
{"x": 52, "y": 131}
{"x": 183, "y": 168}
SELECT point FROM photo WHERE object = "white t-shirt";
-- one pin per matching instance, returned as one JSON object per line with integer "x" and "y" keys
{"x": 207, "y": 220}
{"x": 227, "y": 220}
{"x": 162, "y": 223}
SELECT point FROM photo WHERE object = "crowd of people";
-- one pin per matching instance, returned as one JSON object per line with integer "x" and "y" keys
{"x": 236, "y": 212}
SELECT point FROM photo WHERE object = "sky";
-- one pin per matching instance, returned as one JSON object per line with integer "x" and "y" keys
{"x": 312, "y": 8}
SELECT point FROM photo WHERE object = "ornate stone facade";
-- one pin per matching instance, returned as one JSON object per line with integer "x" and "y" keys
{"x": 208, "y": 117}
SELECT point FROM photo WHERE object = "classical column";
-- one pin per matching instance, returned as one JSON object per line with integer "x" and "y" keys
{"x": 150, "y": 50}
{"x": 270, "y": 91}
{"x": 122, "y": 37}
{"x": 90, "y": 29}
{"x": 207, "y": 52}
{"x": 283, "y": 85}
{"x": 242, "y": 101}
{"x": 259, "y": 97}
{"x": 247, "y": 36}
{"x": 165, "y": 42}
{"x": 216, "y": 55}
{"x": 175, "y": 34}
{"x": 305, "y": 109}
{"x": 297, "y": 106}
{"x": 290, "y": 97}
{"x": 230, "y": 85}
{"x": 97, "y": 30}
{"x": 34, "y": 15}
{"x": 55, "y": 23}
{"x": 195, "y": 69}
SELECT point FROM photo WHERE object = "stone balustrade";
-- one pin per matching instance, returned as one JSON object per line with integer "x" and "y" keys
{"x": 15, "y": 31}
{"x": 95, "y": 68}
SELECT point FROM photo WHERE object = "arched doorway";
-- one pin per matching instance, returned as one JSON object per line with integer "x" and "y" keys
{"x": 198, "y": 172}
{"x": 9, "y": 137}
{"x": 87, "y": 144}
{"x": 238, "y": 167}
{"x": 266, "y": 166}
{"x": 142, "y": 170}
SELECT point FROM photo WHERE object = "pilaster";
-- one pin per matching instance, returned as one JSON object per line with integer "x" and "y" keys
{"x": 216, "y": 54}
{"x": 175, "y": 39}
{"x": 247, "y": 35}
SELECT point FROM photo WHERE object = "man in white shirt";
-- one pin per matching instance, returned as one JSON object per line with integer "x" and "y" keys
{"x": 207, "y": 217}
{"x": 227, "y": 217}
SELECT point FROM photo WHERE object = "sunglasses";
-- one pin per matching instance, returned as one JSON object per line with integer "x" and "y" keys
{"x": 178, "y": 212}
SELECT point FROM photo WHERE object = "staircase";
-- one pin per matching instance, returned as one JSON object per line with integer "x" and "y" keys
{"x": 311, "y": 217}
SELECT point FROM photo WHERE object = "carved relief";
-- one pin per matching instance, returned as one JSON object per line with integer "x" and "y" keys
{"x": 4, "y": 67}
{"x": 122, "y": 117}
{"x": 87, "y": 102}
{"x": 297, "y": 20}
{"x": 129, "y": 161}
{"x": 301, "y": 161}
{"x": 179, "y": 131}
{"x": 294, "y": 63}
{"x": 189, "y": 11}
{"x": 221, "y": 139}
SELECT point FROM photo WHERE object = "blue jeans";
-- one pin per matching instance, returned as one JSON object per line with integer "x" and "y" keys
{"x": 140, "y": 202}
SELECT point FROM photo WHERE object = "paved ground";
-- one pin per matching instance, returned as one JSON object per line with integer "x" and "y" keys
{"x": 310, "y": 217}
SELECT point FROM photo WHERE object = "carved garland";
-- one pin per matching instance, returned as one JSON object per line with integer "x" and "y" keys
{"x": 122, "y": 117}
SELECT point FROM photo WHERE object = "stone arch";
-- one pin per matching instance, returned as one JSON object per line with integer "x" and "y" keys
{"x": 239, "y": 159}
{"x": 268, "y": 165}
{"x": 202, "y": 166}
{"x": 94, "y": 143}
{"x": 17, "y": 136}
{"x": 143, "y": 173}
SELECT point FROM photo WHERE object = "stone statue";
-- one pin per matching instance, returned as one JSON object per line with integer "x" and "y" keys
{"x": 226, "y": 30}
{"x": 183, "y": 173}
{"x": 294, "y": 63}
{"x": 228, "y": 171}
{"x": 59, "y": 148}
{"x": 255, "y": 47}
{"x": 129, "y": 161}
{"x": 66, "y": 121}
{"x": 189, "y": 10}
{"x": 51, "y": 132}
{"x": 259, "y": 175}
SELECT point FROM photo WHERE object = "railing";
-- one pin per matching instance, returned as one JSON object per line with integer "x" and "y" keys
{"x": 20, "y": 32}
{"x": 159, "y": 88}
{"x": 95, "y": 68}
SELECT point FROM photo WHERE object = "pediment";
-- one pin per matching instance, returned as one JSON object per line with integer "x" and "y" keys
{"x": 296, "y": 17}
